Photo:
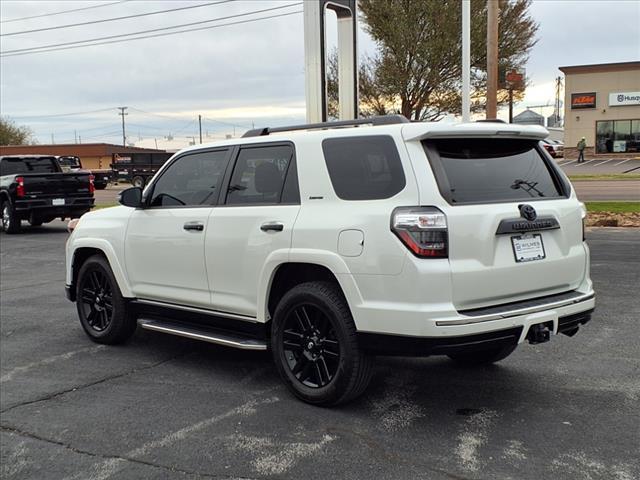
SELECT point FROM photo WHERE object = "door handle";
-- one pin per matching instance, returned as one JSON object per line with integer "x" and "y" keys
{"x": 196, "y": 226}
{"x": 272, "y": 226}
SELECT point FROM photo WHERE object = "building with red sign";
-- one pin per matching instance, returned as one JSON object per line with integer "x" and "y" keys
{"x": 602, "y": 104}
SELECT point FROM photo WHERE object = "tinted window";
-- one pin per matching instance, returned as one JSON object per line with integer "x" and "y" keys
{"x": 490, "y": 170}
{"x": 364, "y": 168}
{"x": 13, "y": 166}
{"x": 191, "y": 180}
{"x": 259, "y": 174}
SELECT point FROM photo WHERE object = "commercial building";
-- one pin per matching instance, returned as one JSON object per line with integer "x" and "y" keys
{"x": 93, "y": 156}
{"x": 602, "y": 104}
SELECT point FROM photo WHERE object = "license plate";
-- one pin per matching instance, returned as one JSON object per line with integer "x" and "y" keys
{"x": 528, "y": 248}
{"x": 57, "y": 201}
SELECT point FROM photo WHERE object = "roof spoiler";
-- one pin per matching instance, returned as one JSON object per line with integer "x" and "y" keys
{"x": 491, "y": 129}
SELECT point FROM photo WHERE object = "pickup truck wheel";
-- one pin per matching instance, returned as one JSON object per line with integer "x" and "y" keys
{"x": 104, "y": 313}
{"x": 315, "y": 348}
{"x": 483, "y": 357}
{"x": 10, "y": 221}
{"x": 137, "y": 181}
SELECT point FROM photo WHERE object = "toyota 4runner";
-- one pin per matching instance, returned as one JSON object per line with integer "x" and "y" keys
{"x": 329, "y": 244}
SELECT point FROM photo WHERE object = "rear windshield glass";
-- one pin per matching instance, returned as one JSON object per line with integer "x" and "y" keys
{"x": 11, "y": 166}
{"x": 364, "y": 168}
{"x": 490, "y": 170}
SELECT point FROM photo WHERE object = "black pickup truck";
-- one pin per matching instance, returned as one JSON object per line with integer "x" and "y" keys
{"x": 34, "y": 188}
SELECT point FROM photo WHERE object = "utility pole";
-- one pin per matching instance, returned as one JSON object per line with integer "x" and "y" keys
{"x": 492, "y": 58}
{"x": 124, "y": 136}
{"x": 52, "y": 140}
{"x": 75, "y": 134}
{"x": 556, "y": 112}
{"x": 466, "y": 60}
{"x": 200, "y": 127}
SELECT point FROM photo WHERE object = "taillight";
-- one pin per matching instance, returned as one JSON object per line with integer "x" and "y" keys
{"x": 423, "y": 230}
{"x": 20, "y": 187}
{"x": 92, "y": 187}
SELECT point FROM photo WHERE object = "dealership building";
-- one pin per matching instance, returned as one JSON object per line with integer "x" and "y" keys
{"x": 602, "y": 104}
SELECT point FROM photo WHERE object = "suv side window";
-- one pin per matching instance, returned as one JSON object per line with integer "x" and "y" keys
{"x": 364, "y": 168}
{"x": 191, "y": 180}
{"x": 259, "y": 175}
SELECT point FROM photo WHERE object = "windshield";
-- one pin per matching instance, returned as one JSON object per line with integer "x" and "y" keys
{"x": 494, "y": 170}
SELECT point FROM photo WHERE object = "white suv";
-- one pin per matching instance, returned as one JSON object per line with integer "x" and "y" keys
{"x": 331, "y": 243}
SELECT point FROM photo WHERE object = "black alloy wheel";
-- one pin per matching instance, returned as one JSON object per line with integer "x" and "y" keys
{"x": 104, "y": 314}
{"x": 310, "y": 346}
{"x": 96, "y": 300}
{"x": 314, "y": 342}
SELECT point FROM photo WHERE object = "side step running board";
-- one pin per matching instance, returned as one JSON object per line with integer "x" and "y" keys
{"x": 204, "y": 334}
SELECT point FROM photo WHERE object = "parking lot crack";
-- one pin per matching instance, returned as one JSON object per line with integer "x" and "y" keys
{"x": 76, "y": 388}
{"x": 115, "y": 458}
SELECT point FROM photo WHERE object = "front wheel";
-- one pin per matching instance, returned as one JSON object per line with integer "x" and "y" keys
{"x": 483, "y": 357}
{"x": 104, "y": 313}
{"x": 315, "y": 347}
{"x": 10, "y": 220}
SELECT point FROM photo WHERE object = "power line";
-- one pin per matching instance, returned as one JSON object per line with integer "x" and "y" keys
{"x": 61, "y": 12}
{"x": 65, "y": 114}
{"x": 44, "y": 29}
{"x": 109, "y": 37}
{"x": 74, "y": 45}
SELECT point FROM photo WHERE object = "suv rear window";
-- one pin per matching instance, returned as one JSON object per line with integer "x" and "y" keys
{"x": 364, "y": 168}
{"x": 484, "y": 170}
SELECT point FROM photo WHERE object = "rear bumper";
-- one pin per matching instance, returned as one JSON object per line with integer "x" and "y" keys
{"x": 384, "y": 344}
{"x": 73, "y": 207}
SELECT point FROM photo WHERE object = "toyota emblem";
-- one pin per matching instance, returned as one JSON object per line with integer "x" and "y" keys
{"x": 528, "y": 212}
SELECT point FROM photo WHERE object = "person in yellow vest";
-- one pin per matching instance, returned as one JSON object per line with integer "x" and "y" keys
{"x": 581, "y": 146}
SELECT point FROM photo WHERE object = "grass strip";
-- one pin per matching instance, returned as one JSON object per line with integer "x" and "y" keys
{"x": 613, "y": 207}
{"x": 604, "y": 176}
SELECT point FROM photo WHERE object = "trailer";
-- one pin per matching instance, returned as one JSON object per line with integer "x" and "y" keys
{"x": 137, "y": 168}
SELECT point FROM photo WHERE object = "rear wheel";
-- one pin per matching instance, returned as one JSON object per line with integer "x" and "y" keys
{"x": 315, "y": 348}
{"x": 104, "y": 313}
{"x": 138, "y": 181}
{"x": 10, "y": 221}
{"x": 35, "y": 221}
{"x": 483, "y": 357}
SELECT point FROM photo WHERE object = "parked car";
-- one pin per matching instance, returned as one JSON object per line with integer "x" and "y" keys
{"x": 70, "y": 163}
{"x": 554, "y": 147}
{"x": 34, "y": 188}
{"x": 329, "y": 246}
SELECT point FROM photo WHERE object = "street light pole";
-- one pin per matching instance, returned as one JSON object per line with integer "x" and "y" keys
{"x": 492, "y": 58}
{"x": 466, "y": 60}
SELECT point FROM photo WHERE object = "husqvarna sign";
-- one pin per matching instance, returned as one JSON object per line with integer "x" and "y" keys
{"x": 622, "y": 99}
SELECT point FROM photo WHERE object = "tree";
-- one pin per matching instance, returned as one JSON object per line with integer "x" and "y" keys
{"x": 11, "y": 134}
{"x": 418, "y": 68}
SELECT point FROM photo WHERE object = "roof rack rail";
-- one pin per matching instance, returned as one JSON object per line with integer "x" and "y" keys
{"x": 378, "y": 120}
{"x": 490, "y": 120}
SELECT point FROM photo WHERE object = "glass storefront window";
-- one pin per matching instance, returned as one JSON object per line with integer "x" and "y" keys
{"x": 618, "y": 136}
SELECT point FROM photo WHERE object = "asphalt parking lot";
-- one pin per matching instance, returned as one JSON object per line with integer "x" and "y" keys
{"x": 164, "y": 407}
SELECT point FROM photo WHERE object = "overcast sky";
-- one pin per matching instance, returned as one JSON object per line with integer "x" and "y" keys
{"x": 233, "y": 75}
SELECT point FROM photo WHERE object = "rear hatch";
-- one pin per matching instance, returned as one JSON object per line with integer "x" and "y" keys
{"x": 514, "y": 230}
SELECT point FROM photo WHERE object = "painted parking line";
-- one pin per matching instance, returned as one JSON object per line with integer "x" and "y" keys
{"x": 567, "y": 163}
{"x": 623, "y": 161}
{"x": 606, "y": 161}
{"x": 584, "y": 163}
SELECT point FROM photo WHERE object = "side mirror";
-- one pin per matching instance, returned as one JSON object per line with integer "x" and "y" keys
{"x": 131, "y": 197}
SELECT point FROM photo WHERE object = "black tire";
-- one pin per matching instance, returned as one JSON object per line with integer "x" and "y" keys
{"x": 10, "y": 221}
{"x": 103, "y": 312}
{"x": 138, "y": 181}
{"x": 483, "y": 357}
{"x": 35, "y": 221}
{"x": 315, "y": 346}
{"x": 100, "y": 186}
